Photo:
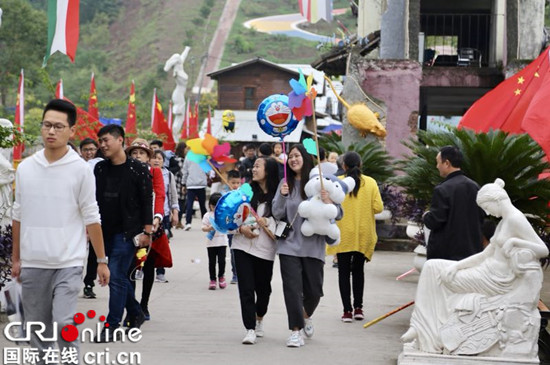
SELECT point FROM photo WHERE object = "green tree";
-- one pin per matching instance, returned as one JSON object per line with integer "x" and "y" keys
{"x": 22, "y": 45}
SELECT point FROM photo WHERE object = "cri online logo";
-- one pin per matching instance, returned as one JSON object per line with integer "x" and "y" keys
{"x": 69, "y": 332}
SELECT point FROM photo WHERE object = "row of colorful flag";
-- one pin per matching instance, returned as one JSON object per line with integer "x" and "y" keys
{"x": 88, "y": 122}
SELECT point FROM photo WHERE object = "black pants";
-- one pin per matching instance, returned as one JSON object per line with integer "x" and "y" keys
{"x": 254, "y": 286}
{"x": 181, "y": 203}
{"x": 351, "y": 264}
{"x": 302, "y": 287}
{"x": 91, "y": 267}
{"x": 216, "y": 253}
{"x": 200, "y": 194}
{"x": 148, "y": 278}
{"x": 233, "y": 267}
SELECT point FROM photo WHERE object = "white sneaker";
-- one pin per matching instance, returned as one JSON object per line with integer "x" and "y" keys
{"x": 295, "y": 340}
{"x": 259, "y": 328}
{"x": 308, "y": 327}
{"x": 161, "y": 278}
{"x": 250, "y": 338}
{"x": 139, "y": 275}
{"x": 187, "y": 227}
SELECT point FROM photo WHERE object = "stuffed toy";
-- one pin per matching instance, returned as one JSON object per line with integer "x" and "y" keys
{"x": 319, "y": 218}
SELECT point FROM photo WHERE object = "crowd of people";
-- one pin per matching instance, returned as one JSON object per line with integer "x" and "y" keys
{"x": 143, "y": 192}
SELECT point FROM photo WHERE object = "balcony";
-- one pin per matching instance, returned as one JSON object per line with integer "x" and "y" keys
{"x": 456, "y": 39}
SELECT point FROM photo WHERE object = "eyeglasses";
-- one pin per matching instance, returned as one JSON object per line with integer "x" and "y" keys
{"x": 46, "y": 126}
{"x": 91, "y": 149}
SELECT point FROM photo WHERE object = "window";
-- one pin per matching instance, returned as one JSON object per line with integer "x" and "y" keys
{"x": 249, "y": 94}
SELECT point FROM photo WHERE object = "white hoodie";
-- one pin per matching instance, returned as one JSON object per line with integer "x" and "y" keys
{"x": 54, "y": 202}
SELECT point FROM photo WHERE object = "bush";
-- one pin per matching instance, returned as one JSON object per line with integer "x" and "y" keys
{"x": 517, "y": 159}
{"x": 198, "y": 21}
{"x": 241, "y": 45}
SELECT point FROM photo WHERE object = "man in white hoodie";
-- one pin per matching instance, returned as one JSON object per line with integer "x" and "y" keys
{"x": 54, "y": 205}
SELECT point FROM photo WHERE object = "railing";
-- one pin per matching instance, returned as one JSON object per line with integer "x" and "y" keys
{"x": 448, "y": 37}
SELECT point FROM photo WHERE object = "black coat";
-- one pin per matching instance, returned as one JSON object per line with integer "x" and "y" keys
{"x": 454, "y": 219}
{"x": 135, "y": 197}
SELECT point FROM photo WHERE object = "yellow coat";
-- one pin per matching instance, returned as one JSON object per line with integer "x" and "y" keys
{"x": 358, "y": 226}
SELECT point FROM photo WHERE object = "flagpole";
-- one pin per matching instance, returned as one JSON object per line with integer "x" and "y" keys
{"x": 153, "y": 104}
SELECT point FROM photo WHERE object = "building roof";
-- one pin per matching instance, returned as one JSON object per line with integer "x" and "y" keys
{"x": 214, "y": 75}
{"x": 247, "y": 129}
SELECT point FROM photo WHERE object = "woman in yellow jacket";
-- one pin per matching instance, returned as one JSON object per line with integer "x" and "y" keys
{"x": 357, "y": 236}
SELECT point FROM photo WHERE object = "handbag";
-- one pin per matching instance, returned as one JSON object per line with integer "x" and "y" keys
{"x": 161, "y": 248}
{"x": 282, "y": 228}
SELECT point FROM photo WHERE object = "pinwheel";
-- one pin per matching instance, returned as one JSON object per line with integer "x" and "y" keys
{"x": 302, "y": 96}
{"x": 208, "y": 153}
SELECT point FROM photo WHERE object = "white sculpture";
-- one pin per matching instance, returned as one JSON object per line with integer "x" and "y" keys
{"x": 484, "y": 305}
{"x": 7, "y": 176}
{"x": 178, "y": 95}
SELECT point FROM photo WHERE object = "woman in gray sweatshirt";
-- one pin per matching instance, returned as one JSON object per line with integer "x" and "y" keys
{"x": 302, "y": 258}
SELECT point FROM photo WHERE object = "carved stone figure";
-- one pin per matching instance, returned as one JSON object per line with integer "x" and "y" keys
{"x": 486, "y": 304}
{"x": 7, "y": 175}
{"x": 175, "y": 63}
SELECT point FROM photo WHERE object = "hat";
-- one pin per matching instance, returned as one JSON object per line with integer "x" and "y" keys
{"x": 139, "y": 143}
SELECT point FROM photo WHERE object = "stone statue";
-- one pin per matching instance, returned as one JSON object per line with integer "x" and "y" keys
{"x": 178, "y": 95}
{"x": 486, "y": 304}
{"x": 7, "y": 175}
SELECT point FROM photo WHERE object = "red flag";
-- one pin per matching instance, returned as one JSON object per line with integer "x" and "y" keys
{"x": 131, "y": 114}
{"x": 86, "y": 125}
{"x": 59, "y": 89}
{"x": 194, "y": 122}
{"x": 20, "y": 116}
{"x": 209, "y": 121}
{"x": 519, "y": 104}
{"x": 160, "y": 127}
{"x": 185, "y": 126}
{"x": 92, "y": 101}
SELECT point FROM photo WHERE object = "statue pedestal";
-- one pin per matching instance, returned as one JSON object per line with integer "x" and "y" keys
{"x": 412, "y": 356}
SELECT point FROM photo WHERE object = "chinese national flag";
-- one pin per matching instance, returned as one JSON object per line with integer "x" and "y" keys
{"x": 92, "y": 102}
{"x": 86, "y": 125}
{"x": 159, "y": 125}
{"x": 131, "y": 128}
{"x": 20, "y": 116}
{"x": 194, "y": 122}
{"x": 519, "y": 104}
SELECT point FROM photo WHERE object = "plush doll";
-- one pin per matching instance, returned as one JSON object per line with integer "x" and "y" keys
{"x": 319, "y": 218}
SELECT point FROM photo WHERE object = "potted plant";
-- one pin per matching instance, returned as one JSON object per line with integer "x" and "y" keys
{"x": 393, "y": 200}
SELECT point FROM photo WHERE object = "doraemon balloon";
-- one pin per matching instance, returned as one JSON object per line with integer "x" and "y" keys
{"x": 275, "y": 117}
{"x": 228, "y": 120}
{"x": 231, "y": 211}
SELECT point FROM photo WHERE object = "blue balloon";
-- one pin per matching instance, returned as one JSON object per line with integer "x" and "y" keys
{"x": 231, "y": 211}
{"x": 275, "y": 116}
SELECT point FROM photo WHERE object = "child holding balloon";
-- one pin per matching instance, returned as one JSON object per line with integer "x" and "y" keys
{"x": 216, "y": 244}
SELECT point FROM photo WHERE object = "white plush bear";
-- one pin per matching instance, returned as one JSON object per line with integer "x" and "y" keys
{"x": 319, "y": 218}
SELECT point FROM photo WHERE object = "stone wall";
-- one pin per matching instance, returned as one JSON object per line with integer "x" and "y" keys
{"x": 397, "y": 84}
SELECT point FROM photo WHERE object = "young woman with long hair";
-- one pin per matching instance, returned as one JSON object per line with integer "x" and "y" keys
{"x": 255, "y": 251}
{"x": 302, "y": 258}
{"x": 357, "y": 236}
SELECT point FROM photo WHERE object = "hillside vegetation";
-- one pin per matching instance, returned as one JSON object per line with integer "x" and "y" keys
{"x": 125, "y": 40}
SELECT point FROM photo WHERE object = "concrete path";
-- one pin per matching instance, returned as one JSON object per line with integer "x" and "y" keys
{"x": 192, "y": 325}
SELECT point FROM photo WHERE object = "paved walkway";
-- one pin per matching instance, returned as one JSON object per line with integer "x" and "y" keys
{"x": 192, "y": 325}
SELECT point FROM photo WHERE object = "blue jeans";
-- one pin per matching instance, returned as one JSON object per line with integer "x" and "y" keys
{"x": 121, "y": 254}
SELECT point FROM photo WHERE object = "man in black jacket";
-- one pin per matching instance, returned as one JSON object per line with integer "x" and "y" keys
{"x": 124, "y": 194}
{"x": 454, "y": 217}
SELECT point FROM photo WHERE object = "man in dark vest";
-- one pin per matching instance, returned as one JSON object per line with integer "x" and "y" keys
{"x": 454, "y": 217}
